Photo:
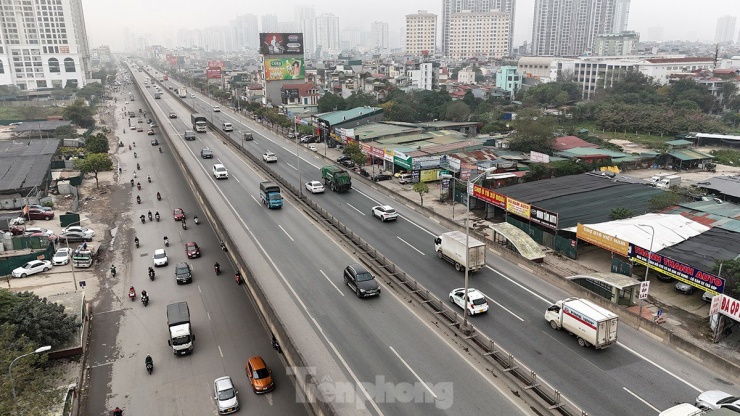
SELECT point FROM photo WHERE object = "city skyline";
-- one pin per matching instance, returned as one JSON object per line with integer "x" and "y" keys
{"x": 163, "y": 18}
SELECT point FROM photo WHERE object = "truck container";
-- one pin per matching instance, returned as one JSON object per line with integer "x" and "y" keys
{"x": 669, "y": 181}
{"x": 336, "y": 178}
{"x": 450, "y": 246}
{"x": 182, "y": 92}
{"x": 590, "y": 323}
{"x": 84, "y": 256}
{"x": 270, "y": 195}
{"x": 180, "y": 332}
{"x": 199, "y": 122}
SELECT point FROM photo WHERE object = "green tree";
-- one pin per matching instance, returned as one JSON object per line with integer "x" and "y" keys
{"x": 360, "y": 100}
{"x": 330, "y": 102}
{"x": 457, "y": 111}
{"x": 353, "y": 150}
{"x": 534, "y": 131}
{"x": 30, "y": 112}
{"x": 620, "y": 213}
{"x": 94, "y": 163}
{"x": 65, "y": 132}
{"x": 79, "y": 113}
{"x": 91, "y": 92}
{"x": 393, "y": 111}
{"x": 44, "y": 323}
{"x": 664, "y": 200}
{"x": 421, "y": 188}
{"x": 731, "y": 274}
{"x": 97, "y": 143}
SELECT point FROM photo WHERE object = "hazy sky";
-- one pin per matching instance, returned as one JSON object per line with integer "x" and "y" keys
{"x": 680, "y": 19}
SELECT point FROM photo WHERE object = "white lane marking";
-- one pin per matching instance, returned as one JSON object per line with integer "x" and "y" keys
{"x": 409, "y": 244}
{"x": 256, "y": 200}
{"x": 220, "y": 352}
{"x": 237, "y": 179}
{"x": 332, "y": 283}
{"x": 660, "y": 367}
{"x": 402, "y": 216}
{"x": 352, "y": 206}
{"x": 641, "y": 399}
{"x": 199, "y": 290}
{"x": 504, "y": 308}
{"x": 209, "y": 315}
{"x": 286, "y": 233}
{"x": 291, "y": 166}
{"x": 413, "y": 372}
{"x": 519, "y": 284}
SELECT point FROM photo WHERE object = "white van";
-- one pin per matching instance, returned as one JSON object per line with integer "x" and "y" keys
{"x": 404, "y": 178}
{"x": 227, "y": 127}
{"x": 683, "y": 409}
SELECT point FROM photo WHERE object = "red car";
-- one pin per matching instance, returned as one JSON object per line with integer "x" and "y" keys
{"x": 192, "y": 250}
{"x": 39, "y": 214}
{"x": 178, "y": 214}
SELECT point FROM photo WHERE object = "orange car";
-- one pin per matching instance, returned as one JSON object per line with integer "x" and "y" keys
{"x": 259, "y": 375}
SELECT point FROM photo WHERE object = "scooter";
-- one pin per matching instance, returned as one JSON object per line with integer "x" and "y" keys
{"x": 156, "y": 216}
{"x": 132, "y": 183}
{"x": 217, "y": 269}
{"x": 143, "y": 219}
{"x": 166, "y": 242}
{"x": 223, "y": 247}
{"x": 151, "y": 274}
{"x": 238, "y": 278}
{"x": 138, "y": 200}
{"x": 160, "y": 150}
{"x": 136, "y": 241}
{"x": 135, "y": 155}
{"x": 150, "y": 215}
{"x": 149, "y": 363}
{"x": 138, "y": 167}
{"x": 184, "y": 226}
{"x": 138, "y": 185}
{"x": 132, "y": 295}
{"x": 159, "y": 197}
{"x": 145, "y": 301}
{"x": 149, "y": 178}
{"x": 196, "y": 220}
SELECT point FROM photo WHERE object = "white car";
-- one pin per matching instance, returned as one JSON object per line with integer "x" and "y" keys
{"x": 32, "y": 267}
{"x": 61, "y": 257}
{"x": 312, "y": 148}
{"x": 716, "y": 399}
{"x": 315, "y": 187}
{"x": 34, "y": 230}
{"x": 269, "y": 157}
{"x": 160, "y": 257}
{"x": 224, "y": 393}
{"x": 476, "y": 300}
{"x": 76, "y": 228}
{"x": 385, "y": 213}
{"x": 216, "y": 109}
{"x": 220, "y": 172}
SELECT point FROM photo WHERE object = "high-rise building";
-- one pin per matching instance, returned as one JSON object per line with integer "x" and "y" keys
{"x": 725, "y": 29}
{"x": 217, "y": 38}
{"x": 621, "y": 15}
{"x": 245, "y": 30}
{"x": 270, "y": 23}
{"x": 616, "y": 44}
{"x": 43, "y": 46}
{"x": 450, "y": 7}
{"x": 568, "y": 27}
{"x": 304, "y": 16}
{"x": 379, "y": 35}
{"x": 326, "y": 34}
{"x": 479, "y": 34}
{"x": 421, "y": 33}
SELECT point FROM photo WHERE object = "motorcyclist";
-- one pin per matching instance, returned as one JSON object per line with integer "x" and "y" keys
{"x": 144, "y": 295}
{"x": 151, "y": 272}
{"x": 148, "y": 178}
{"x": 149, "y": 214}
{"x": 195, "y": 219}
{"x": 156, "y": 215}
{"x": 117, "y": 411}
{"x": 166, "y": 241}
{"x": 131, "y": 292}
{"x": 138, "y": 200}
{"x": 159, "y": 196}
{"x": 135, "y": 155}
{"x": 138, "y": 167}
{"x": 217, "y": 267}
{"x": 113, "y": 269}
{"x": 136, "y": 241}
{"x": 132, "y": 182}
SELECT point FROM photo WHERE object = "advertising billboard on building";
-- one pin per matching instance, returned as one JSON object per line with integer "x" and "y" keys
{"x": 678, "y": 270}
{"x": 282, "y": 69}
{"x": 281, "y": 43}
{"x": 213, "y": 73}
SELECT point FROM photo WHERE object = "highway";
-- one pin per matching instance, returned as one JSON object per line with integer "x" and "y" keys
{"x": 394, "y": 362}
{"x": 639, "y": 375}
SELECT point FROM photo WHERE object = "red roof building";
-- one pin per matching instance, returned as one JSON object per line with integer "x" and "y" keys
{"x": 571, "y": 142}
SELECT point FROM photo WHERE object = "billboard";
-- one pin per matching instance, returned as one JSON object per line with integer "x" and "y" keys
{"x": 281, "y": 43}
{"x": 290, "y": 94}
{"x": 281, "y": 69}
{"x": 215, "y": 64}
{"x": 677, "y": 270}
{"x": 213, "y": 73}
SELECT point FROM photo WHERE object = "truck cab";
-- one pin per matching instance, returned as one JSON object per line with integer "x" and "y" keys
{"x": 270, "y": 195}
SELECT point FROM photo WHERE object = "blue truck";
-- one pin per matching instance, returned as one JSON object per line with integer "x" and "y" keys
{"x": 270, "y": 195}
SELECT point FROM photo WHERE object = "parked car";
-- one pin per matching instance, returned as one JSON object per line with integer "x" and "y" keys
{"x": 41, "y": 207}
{"x": 342, "y": 158}
{"x": 385, "y": 213}
{"x": 476, "y": 300}
{"x": 684, "y": 288}
{"x": 32, "y": 267}
{"x": 313, "y": 148}
{"x": 183, "y": 273}
{"x": 381, "y": 177}
{"x": 707, "y": 297}
{"x": 359, "y": 279}
{"x": 37, "y": 230}
{"x": 74, "y": 237}
{"x": 315, "y": 187}
{"x": 716, "y": 399}
{"x": 61, "y": 257}
{"x": 160, "y": 257}
{"x": 78, "y": 228}
{"x": 260, "y": 377}
{"x": 224, "y": 393}
{"x": 192, "y": 250}
{"x": 39, "y": 214}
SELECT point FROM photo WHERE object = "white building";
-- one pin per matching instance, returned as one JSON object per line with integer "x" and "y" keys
{"x": 568, "y": 28}
{"x": 43, "y": 45}
{"x": 725, "y": 29}
{"x": 326, "y": 33}
{"x": 621, "y": 15}
{"x": 270, "y": 23}
{"x": 245, "y": 31}
{"x": 451, "y": 7}
{"x": 379, "y": 35}
{"x": 423, "y": 76}
{"x": 613, "y": 44}
{"x": 479, "y": 34}
{"x": 421, "y": 33}
{"x": 466, "y": 76}
{"x": 304, "y": 16}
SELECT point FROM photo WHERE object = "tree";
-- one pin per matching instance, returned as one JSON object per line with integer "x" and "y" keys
{"x": 360, "y": 100}
{"x": 65, "y": 132}
{"x": 330, "y": 102}
{"x": 42, "y": 322}
{"x": 731, "y": 274}
{"x": 97, "y": 143}
{"x": 353, "y": 150}
{"x": 620, "y": 213}
{"x": 393, "y": 111}
{"x": 79, "y": 113}
{"x": 458, "y": 111}
{"x": 664, "y": 200}
{"x": 30, "y": 112}
{"x": 534, "y": 131}
{"x": 94, "y": 163}
{"x": 421, "y": 188}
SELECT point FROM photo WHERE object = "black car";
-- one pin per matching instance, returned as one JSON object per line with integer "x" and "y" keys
{"x": 154, "y": 142}
{"x": 361, "y": 281}
{"x": 381, "y": 177}
{"x": 182, "y": 273}
{"x": 347, "y": 163}
{"x": 206, "y": 153}
{"x": 342, "y": 158}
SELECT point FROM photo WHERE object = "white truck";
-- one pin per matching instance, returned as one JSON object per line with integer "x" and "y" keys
{"x": 450, "y": 246}
{"x": 668, "y": 181}
{"x": 180, "y": 331}
{"x": 590, "y": 323}
{"x": 182, "y": 92}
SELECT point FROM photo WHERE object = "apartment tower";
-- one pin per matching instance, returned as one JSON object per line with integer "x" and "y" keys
{"x": 451, "y": 7}
{"x": 421, "y": 33}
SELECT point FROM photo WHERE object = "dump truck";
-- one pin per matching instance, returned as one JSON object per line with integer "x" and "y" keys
{"x": 270, "y": 195}
{"x": 199, "y": 122}
{"x": 590, "y": 323}
{"x": 84, "y": 255}
{"x": 180, "y": 332}
{"x": 450, "y": 246}
{"x": 336, "y": 178}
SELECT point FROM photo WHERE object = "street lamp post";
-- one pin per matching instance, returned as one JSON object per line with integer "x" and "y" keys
{"x": 650, "y": 251}
{"x": 298, "y": 155}
{"x": 10, "y": 367}
{"x": 467, "y": 240}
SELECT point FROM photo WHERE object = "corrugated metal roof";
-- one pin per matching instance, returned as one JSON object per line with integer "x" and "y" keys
{"x": 728, "y": 185}
{"x": 678, "y": 142}
{"x": 339, "y": 117}
{"x": 24, "y": 164}
{"x": 588, "y": 151}
{"x": 702, "y": 250}
{"x": 689, "y": 154}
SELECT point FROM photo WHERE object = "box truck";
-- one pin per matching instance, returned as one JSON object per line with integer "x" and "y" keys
{"x": 450, "y": 246}
{"x": 270, "y": 194}
{"x": 180, "y": 332}
{"x": 590, "y": 323}
{"x": 199, "y": 122}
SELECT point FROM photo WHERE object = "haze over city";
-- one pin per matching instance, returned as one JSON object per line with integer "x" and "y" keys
{"x": 161, "y": 19}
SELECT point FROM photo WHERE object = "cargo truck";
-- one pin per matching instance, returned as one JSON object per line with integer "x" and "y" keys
{"x": 180, "y": 332}
{"x": 336, "y": 178}
{"x": 199, "y": 122}
{"x": 590, "y": 323}
{"x": 270, "y": 195}
{"x": 182, "y": 92}
{"x": 450, "y": 246}
{"x": 157, "y": 95}
{"x": 84, "y": 255}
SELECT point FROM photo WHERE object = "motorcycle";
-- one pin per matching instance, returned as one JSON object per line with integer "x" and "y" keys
{"x": 149, "y": 363}
{"x": 184, "y": 226}
{"x": 151, "y": 274}
{"x": 113, "y": 270}
{"x": 238, "y": 278}
{"x": 129, "y": 147}
{"x": 156, "y": 216}
{"x": 136, "y": 241}
{"x": 166, "y": 242}
{"x": 223, "y": 247}
{"x": 132, "y": 183}
{"x": 143, "y": 219}
{"x": 138, "y": 167}
{"x": 132, "y": 294}
{"x": 217, "y": 269}
{"x": 195, "y": 219}
{"x": 135, "y": 155}
{"x": 145, "y": 301}
{"x": 160, "y": 150}
{"x": 149, "y": 178}
{"x": 150, "y": 215}
{"x": 138, "y": 185}
{"x": 138, "y": 199}
{"x": 159, "y": 197}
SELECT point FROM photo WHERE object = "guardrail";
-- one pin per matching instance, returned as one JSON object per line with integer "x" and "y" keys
{"x": 533, "y": 385}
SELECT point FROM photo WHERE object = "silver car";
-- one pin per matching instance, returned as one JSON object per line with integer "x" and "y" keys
{"x": 224, "y": 393}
